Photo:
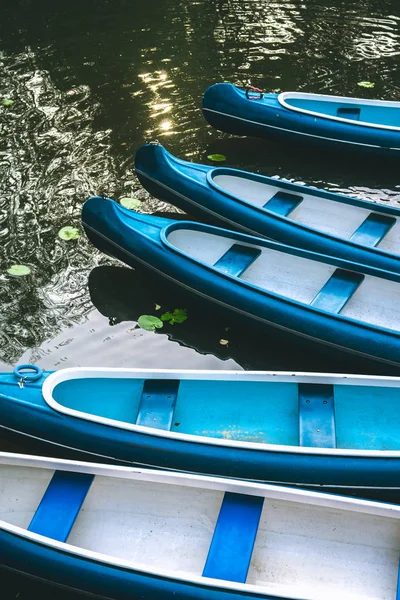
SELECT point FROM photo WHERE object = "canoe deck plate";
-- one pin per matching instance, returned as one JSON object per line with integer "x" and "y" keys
{"x": 157, "y": 403}
{"x": 237, "y": 259}
{"x": 316, "y": 415}
{"x": 232, "y": 544}
{"x": 349, "y": 112}
{"x": 373, "y": 229}
{"x": 283, "y": 203}
{"x": 337, "y": 291}
{"x": 60, "y": 505}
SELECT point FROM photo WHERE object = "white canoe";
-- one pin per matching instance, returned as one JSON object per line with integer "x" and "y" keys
{"x": 129, "y": 533}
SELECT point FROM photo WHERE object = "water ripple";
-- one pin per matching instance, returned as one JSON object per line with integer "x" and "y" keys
{"x": 51, "y": 159}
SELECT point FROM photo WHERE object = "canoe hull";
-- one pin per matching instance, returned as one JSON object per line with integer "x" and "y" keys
{"x": 135, "y": 239}
{"x": 26, "y": 415}
{"x": 227, "y": 108}
{"x": 187, "y": 186}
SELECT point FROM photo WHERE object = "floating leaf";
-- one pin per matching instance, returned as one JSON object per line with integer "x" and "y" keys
{"x": 68, "y": 233}
{"x": 178, "y": 316}
{"x": 131, "y": 203}
{"x": 366, "y": 84}
{"x": 157, "y": 306}
{"x": 7, "y": 102}
{"x": 224, "y": 342}
{"x": 216, "y": 157}
{"x": 149, "y": 322}
{"x": 18, "y": 270}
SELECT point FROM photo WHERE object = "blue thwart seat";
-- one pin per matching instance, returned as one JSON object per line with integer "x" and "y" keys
{"x": 237, "y": 259}
{"x": 349, "y": 112}
{"x": 283, "y": 203}
{"x": 157, "y": 403}
{"x": 373, "y": 229}
{"x": 337, "y": 290}
{"x": 232, "y": 544}
{"x": 316, "y": 416}
{"x": 60, "y": 505}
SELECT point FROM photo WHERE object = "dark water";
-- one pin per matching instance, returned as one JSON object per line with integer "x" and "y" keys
{"x": 91, "y": 82}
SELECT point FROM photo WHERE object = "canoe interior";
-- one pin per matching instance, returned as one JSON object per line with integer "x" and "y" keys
{"x": 336, "y": 218}
{"x": 155, "y": 526}
{"x": 371, "y": 300}
{"x": 365, "y": 417}
{"x": 356, "y": 110}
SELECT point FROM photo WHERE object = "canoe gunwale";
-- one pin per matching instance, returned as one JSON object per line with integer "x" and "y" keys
{"x": 284, "y": 95}
{"x": 91, "y": 372}
{"x": 270, "y": 492}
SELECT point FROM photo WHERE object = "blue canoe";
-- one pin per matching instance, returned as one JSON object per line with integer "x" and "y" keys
{"x": 327, "y": 431}
{"x": 298, "y": 215}
{"x": 368, "y": 126}
{"x": 131, "y": 534}
{"x": 331, "y": 303}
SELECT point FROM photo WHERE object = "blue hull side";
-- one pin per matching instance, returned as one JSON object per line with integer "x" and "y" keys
{"x": 187, "y": 186}
{"x": 104, "y": 581}
{"x": 226, "y": 108}
{"x": 26, "y": 413}
{"x": 135, "y": 239}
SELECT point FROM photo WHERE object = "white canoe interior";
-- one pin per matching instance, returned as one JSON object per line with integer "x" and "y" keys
{"x": 371, "y": 300}
{"x": 298, "y": 544}
{"x": 339, "y": 219}
{"x": 378, "y": 114}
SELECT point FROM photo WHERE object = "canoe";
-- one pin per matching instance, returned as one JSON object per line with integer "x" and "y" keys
{"x": 131, "y": 534}
{"x": 331, "y": 303}
{"x": 331, "y": 122}
{"x": 298, "y": 215}
{"x": 327, "y": 431}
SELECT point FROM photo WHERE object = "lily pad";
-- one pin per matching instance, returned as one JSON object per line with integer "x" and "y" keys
{"x": 216, "y": 157}
{"x": 178, "y": 316}
{"x": 366, "y": 84}
{"x": 7, "y": 102}
{"x": 69, "y": 233}
{"x": 149, "y": 322}
{"x": 131, "y": 203}
{"x": 18, "y": 270}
